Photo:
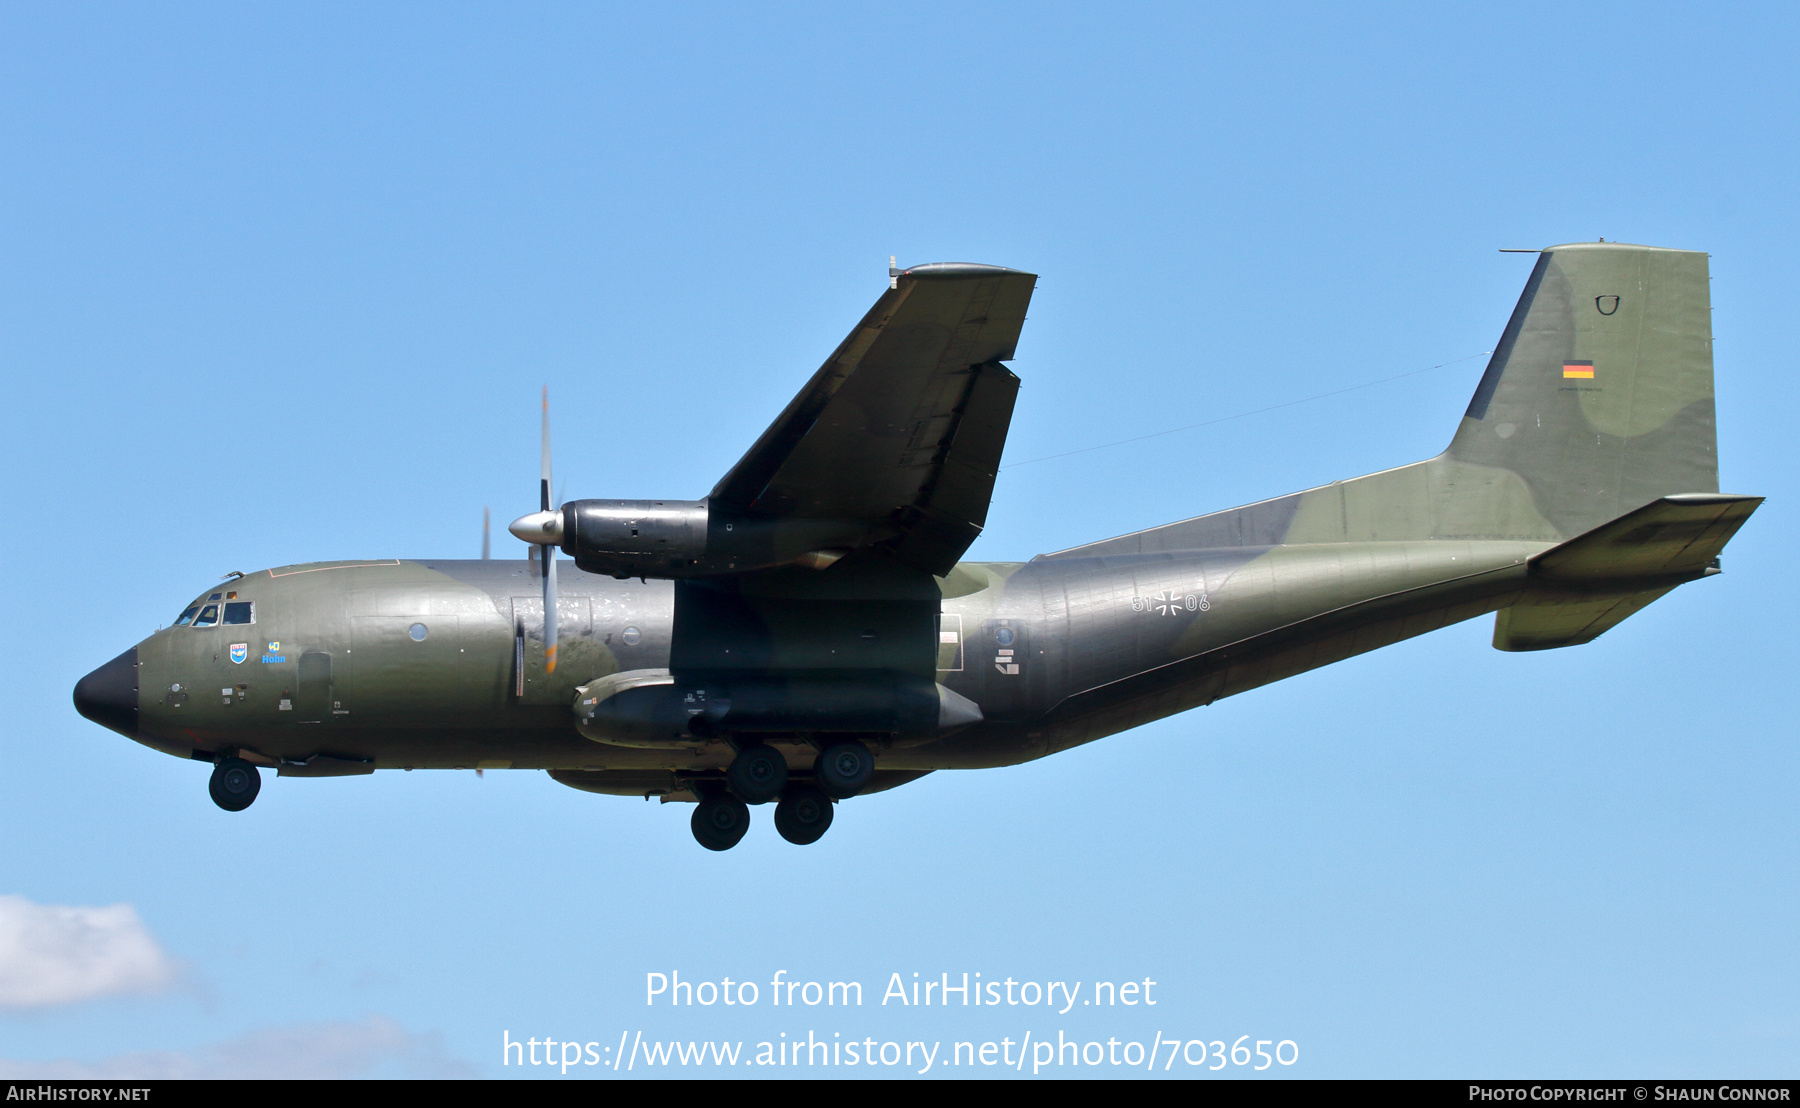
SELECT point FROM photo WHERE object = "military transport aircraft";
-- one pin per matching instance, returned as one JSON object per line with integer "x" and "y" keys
{"x": 806, "y": 633}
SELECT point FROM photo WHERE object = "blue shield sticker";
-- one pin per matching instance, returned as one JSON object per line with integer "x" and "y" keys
{"x": 239, "y": 651}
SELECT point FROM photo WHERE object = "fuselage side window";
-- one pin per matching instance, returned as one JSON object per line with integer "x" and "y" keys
{"x": 240, "y": 611}
{"x": 208, "y": 617}
{"x": 187, "y": 617}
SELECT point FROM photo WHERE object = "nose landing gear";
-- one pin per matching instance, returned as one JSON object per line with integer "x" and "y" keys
{"x": 234, "y": 784}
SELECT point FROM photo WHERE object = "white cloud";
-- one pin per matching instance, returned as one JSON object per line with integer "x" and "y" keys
{"x": 373, "y": 1047}
{"x": 52, "y": 954}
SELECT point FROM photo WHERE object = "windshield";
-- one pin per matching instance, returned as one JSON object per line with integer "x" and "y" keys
{"x": 186, "y": 617}
{"x": 208, "y": 616}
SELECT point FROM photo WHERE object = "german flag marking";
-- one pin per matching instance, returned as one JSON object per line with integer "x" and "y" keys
{"x": 1579, "y": 370}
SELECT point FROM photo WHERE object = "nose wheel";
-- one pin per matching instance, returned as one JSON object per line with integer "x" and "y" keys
{"x": 234, "y": 784}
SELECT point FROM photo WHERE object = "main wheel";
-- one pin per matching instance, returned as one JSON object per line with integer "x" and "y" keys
{"x": 803, "y": 815}
{"x": 234, "y": 784}
{"x": 844, "y": 768}
{"x": 757, "y": 774}
{"x": 720, "y": 821}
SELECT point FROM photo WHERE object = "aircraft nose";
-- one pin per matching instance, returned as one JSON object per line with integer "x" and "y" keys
{"x": 109, "y": 695}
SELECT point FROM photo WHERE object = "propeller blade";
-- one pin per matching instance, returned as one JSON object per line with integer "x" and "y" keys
{"x": 549, "y": 551}
{"x": 549, "y": 609}
{"x": 544, "y": 476}
{"x": 484, "y": 533}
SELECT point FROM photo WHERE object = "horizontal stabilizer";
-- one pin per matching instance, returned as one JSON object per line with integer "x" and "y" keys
{"x": 1676, "y": 536}
{"x": 1593, "y": 582}
{"x": 1547, "y": 618}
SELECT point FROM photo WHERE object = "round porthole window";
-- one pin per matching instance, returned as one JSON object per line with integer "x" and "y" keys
{"x": 418, "y": 632}
{"x": 1004, "y": 636}
{"x": 631, "y": 636}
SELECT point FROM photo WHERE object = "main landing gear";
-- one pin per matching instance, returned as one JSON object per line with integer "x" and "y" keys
{"x": 720, "y": 820}
{"x": 234, "y": 784}
{"x": 844, "y": 768}
{"x": 803, "y": 815}
{"x": 759, "y": 774}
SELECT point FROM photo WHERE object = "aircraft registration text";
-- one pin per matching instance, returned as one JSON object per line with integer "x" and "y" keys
{"x": 1168, "y": 602}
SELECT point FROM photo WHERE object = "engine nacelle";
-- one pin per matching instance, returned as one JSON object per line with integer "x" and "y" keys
{"x": 636, "y": 538}
{"x": 683, "y": 538}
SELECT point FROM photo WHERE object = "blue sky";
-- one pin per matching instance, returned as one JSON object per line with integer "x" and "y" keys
{"x": 282, "y": 284}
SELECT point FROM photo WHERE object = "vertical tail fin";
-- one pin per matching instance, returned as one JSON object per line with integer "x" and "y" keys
{"x": 1600, "y": 393}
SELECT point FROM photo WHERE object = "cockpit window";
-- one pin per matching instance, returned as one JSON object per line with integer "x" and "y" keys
{"x": 186, "y": 617}
{"x": 240, "y": 611}
{"x": 208, "y": 616}
{"x": 214, "y": 596}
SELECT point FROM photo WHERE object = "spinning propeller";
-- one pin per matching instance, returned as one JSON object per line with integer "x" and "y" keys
{"x": 543, "y": 529}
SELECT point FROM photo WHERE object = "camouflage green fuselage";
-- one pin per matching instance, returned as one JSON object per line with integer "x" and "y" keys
{"x": 1056, "y": 652}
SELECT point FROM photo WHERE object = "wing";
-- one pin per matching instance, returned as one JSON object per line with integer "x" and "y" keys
{"x": 901, "y": 430}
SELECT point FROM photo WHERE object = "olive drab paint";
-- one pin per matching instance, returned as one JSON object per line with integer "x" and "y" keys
{"x": 814, "y": 603}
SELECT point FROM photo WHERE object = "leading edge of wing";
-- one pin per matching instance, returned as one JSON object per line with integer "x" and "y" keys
{"x": 743, "y": 485}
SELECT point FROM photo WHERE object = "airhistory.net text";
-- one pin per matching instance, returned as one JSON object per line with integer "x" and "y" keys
{"x": 968, "y": 991}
